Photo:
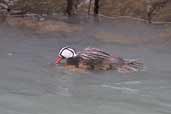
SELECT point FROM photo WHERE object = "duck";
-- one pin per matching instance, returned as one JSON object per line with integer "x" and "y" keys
{"x": 96, "y": 59}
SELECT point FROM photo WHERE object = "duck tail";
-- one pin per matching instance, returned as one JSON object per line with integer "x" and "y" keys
{"x": 131, "y": 65}
{"x": 135, "y": 65}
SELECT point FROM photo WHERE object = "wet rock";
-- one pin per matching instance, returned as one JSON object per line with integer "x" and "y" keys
{"x": 41, "y": 18}
{"x": 41, "y": 25}
{"x": 6, "y": 1}
{"x": 153, "y": 7}
{"x": 3, "y": 5}
{"x": 146, "y": 9}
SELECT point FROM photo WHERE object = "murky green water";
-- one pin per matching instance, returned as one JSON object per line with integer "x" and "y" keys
{"x": 31, "y": 84}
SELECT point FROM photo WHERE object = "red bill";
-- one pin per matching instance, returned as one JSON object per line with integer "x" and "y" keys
{"x": 58, "y": 60}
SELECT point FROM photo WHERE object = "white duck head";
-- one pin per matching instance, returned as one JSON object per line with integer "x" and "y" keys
{"x": 65, "y": 53}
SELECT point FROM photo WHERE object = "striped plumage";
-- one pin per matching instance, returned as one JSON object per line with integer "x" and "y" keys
{"x": 97, "y": 59}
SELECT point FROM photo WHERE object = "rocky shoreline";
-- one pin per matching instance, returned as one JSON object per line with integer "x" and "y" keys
{"x": 151, "y": 10}
{"x": 40, "y": 24}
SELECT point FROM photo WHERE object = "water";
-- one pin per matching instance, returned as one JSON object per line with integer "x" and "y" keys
{"x": 31, "y": 84}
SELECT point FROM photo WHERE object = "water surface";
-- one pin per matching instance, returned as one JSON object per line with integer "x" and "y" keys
{"x": 31, "y": 84}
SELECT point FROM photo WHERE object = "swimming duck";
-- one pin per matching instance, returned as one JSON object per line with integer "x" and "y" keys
{"x": 96, "y": 59}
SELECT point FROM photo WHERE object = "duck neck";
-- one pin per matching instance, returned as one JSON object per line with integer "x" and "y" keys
{"x": 73, "y": 61}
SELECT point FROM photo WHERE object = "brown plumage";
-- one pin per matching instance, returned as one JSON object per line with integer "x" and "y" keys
{"x": 96, "y": 59}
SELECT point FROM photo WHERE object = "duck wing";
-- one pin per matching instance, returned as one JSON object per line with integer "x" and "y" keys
{"x": 98, "y": 56}
{"x": 94, "y": 55}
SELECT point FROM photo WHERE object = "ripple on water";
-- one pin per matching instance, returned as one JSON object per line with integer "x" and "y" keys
{"x": 123, "y": 89}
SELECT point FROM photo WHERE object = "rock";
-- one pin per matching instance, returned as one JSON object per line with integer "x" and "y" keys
{"x": 3, "y": 5}
{"x": 6, "y": 1}
{"x": 41, "y": 19}
{"x": 11, "y": 3}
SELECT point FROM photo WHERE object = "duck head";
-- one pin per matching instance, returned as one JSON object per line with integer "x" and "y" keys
{"x": 65, "y": 53}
